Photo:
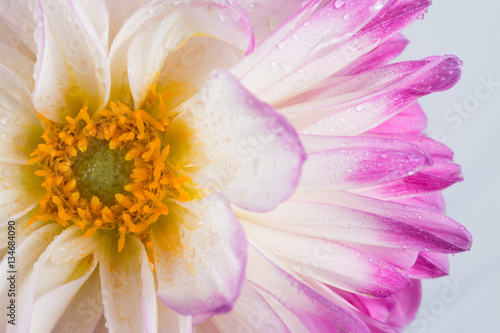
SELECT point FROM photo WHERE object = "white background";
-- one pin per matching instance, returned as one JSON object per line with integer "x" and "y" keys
{"x": 469, "y": 299}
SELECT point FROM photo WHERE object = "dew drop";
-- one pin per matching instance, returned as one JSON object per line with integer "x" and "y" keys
{"x": 7, "y": 100}
{"x": 289, "y": 66}
{"x": 20, "y": 141}
{"x": 84, "y": 66}
{"x": 74, "y": 91}
{"x": 339, "y": 3}
{"x": 229, "y": 16}
{"x": 5, "y": 120}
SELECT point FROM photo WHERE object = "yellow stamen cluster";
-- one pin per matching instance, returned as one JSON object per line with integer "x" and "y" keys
{"x": 138, "y": 135}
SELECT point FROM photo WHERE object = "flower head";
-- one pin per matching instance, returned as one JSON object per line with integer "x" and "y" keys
{"x": 156, "y": 138}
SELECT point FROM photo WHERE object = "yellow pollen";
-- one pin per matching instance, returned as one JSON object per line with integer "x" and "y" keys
{"x": 108, "y": 171}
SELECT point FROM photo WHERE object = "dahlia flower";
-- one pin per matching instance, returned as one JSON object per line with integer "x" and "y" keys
{"x": 213, "y": 166}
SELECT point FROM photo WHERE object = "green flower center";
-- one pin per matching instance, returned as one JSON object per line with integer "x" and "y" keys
{"x": 102, "y": 172}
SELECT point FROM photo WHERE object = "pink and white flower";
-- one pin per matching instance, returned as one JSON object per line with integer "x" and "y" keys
{"x": 277, "y": 177}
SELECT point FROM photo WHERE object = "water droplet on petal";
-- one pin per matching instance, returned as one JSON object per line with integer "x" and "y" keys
{"x": 74, "y": 91}
{"x": 84, "y": 66}
{"x": 5, "y": 120}
{"x": 339, "y": 3}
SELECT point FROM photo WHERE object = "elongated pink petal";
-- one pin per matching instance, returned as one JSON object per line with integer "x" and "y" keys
{"x": 429, "y": 266}
{"x": 276, "y": 77}
{"x": 372, "y": 100}
{"x": 358, "y": 161}
{"x": 200, "y": 255}
{"x": 380, "y": 56}
{"x": 242, "y": 147}
{"x": 161, "y": 28}
{"x": 397, "y": 310}
{"x": 292, "y": 299}
{"x": 433, "y": 201}
{"x": 330, "y": 262}
{"x": 72, "y": 68}
{"x": 128, "y": 289}
{"x": 358, "y": 167}
{"x": 435, "y": 178}
{"x": 448, "y": 236}
{"x": 412, "y": 120}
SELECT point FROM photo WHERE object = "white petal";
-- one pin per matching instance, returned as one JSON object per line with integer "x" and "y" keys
{"x": 120, "y": 11}
{"x": 27, "y": 254}
{"x": 127, "y": 286}
{"x": 245, "y": 150}
{"x": 20, "y": 190}
{"x": 85, "y": 310}
{"x": 18, "y": 63}
{"x": 47, "y": 282}
{"x": 251, "y": 313}
{"x": 158, "y": 28}
{"x": 19, "y": 126}
{"x": 97, "y": 12}
{"x": 72, "y": 69}
{"x": 18, "y": 16}
{"x": 200, "y": 255}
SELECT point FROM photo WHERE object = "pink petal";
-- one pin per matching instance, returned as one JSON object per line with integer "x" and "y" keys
{"x": 294, "y": 58}
{"x": 353, "y": 106}
{"x": 412, "y": 120}
{"x": 378, "y": 57}
{"x": 433, "y": 201}
{"x": 397, "y": 310}
{"x": 431, "y": 230}
{"x": 72, "y": 66}
{"x": 292, "y": 300}
{"x": 435, "y": 178}
{"x": 429, "y": 266}
{"x": 329, "y": 262}
{"x": 356, "y": 162}
{"x": 239, "y": 146}
{"x": 200, "y": 255}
